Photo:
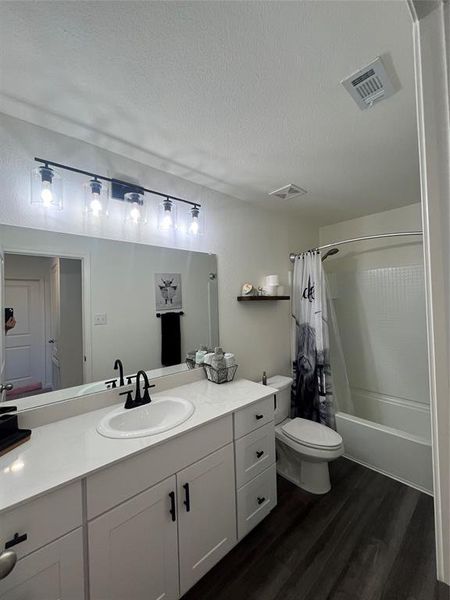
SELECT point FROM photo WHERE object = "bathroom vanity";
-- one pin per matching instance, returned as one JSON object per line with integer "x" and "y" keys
{"x": 107, "y": 519}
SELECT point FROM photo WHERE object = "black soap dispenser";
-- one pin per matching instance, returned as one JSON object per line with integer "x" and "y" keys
{"x": 264, "y": 378}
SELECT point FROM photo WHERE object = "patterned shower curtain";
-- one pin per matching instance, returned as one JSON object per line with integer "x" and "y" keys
{"x": 312, "y": 390}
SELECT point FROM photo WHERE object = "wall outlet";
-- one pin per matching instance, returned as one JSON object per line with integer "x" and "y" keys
{"x": 100, "y": 319}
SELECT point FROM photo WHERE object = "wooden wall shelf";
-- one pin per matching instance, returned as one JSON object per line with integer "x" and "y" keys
{"x": 261, "y": 298}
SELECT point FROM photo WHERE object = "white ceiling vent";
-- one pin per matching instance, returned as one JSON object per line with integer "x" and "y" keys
{"x": 369, "y": 85}
{"x": 288, "y": 191}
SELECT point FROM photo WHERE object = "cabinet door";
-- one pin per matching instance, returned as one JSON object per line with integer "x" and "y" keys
{"x": 133, "y": 550}
{"x": 55, "y": 572}
{"x": 207, "y": 514}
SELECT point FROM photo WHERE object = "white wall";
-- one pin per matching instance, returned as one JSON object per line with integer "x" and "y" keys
{"x": 27, "y": 267}
{"x": 71, "y": 323}
{"x": 249, "y": 242}
{"x": 378, "y": 292}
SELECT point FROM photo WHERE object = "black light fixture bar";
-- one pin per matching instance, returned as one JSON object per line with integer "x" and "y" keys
{"x": 126, "y": 184}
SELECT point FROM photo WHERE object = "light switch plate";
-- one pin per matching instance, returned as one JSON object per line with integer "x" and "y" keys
{"x": 100, "y": 319}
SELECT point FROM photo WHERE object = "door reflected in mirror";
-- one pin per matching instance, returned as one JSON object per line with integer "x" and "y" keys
{"x": 44, "y": 345}
{"x": 75, "y": 304}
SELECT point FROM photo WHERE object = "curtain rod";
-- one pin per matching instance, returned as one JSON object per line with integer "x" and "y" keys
{"x": 292, "y": 256}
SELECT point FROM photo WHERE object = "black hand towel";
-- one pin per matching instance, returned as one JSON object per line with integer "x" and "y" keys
{"x": 170, "y": 339}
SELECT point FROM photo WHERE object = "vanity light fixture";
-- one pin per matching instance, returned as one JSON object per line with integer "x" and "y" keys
{"x": 135, "y": 212}
{"x": 96, "y": 197}
{"x": 167, "y": 217}
{"x": 194, "y": 227}
{"x": 47, "y": 191}
{"x": 46, "y": 187}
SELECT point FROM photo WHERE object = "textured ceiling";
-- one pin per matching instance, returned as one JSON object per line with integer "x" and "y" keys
{"x": 243, "y": 97}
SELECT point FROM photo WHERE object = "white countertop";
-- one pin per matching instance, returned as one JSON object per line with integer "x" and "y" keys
{"x": 68, "y": 450}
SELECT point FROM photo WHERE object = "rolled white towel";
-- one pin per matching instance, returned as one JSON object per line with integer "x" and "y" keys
{"x": 230, "y": 359}
{"x": 208, "y": 358}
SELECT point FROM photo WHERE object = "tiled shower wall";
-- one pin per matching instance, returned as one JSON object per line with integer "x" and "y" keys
{"x": 381, "y": 319}
{"x": 378, "y": 293}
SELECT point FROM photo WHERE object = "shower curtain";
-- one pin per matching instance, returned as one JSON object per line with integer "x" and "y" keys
{"x": 312, "y": 390}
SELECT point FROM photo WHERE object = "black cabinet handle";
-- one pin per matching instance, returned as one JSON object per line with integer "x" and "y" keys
{"x": 259, "y": 453}
{"x": 261, "y": 499}
{"x": 172, "y": 506}
{"x": 187, "y": 496}
{"x": 258, "y": 417}
{"x": 16, "y": 540}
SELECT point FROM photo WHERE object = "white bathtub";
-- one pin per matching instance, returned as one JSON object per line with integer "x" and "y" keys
{"x": 402, "y": 455}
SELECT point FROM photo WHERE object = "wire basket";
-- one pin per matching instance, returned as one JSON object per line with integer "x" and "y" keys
{"x": 220, "y": 375}
{"x": 190, "y": 363}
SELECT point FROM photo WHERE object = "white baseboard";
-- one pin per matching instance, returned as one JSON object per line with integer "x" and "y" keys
{"x": 390, "y": 475}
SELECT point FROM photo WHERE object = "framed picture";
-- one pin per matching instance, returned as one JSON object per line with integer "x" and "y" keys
{"x": 168, "y": 291}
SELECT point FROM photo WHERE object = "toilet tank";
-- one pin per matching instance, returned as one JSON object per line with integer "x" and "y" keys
{"x": 283, "y": 397}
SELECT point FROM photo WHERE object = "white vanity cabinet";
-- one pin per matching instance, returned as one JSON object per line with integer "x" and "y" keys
{"x": 150, "y": 525}
{"x": 207, "y": 514}
{"x": 133, "y": 548}
{"x": 159, "y": 543}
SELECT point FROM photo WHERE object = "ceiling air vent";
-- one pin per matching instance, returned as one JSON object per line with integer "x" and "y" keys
{"x": 288, "y": 191}
{"x": 369, "y": 85}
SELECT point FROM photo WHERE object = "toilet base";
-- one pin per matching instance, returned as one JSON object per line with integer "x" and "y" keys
{"x": 313, "y": 477}
{"x": 318, "y": 488}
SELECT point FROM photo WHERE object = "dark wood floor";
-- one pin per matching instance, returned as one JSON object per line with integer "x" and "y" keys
{"x": 370, "y": 538}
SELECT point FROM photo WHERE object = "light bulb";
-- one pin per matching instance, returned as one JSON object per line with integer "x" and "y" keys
{"x": 194, "y": 227}
{"x": 166, "y": 216}
{"x": 135, "y": 213}
{"x": 46, "y": 187}
{"x": 46, "y": 193}
{"x": 95, "y": 205}
{"x": 167, "y": 221}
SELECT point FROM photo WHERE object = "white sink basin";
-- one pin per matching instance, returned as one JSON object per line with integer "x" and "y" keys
{"x": 160, "y": 415}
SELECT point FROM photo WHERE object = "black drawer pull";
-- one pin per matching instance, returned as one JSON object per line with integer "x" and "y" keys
{"x": 172, "y": 506}
{"x": 258, "y": 417}
{"x": 259, "y": 453}
{"x": 16, "y": 540}
{"x": 187, "y": 500}
{"x": 261, "y": 499}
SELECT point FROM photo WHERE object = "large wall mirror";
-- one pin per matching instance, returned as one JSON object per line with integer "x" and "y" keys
{"x": 75, "y": 304}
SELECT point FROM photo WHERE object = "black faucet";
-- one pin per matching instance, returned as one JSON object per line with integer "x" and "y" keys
{"x": 138, "y": 399}
{"x": 118, "y": 365}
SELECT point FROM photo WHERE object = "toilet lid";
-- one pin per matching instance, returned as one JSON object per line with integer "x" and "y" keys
{"x": 311, "y": 434}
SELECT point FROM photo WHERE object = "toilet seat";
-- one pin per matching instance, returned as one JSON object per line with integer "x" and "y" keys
{"x": 311, "y": 434}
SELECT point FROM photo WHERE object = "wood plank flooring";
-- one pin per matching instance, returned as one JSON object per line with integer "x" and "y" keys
{"x": 370, "y": 538}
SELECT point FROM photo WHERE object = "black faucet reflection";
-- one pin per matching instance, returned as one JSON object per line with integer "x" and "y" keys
{"x": 138, "y": 400}
{"x": 118, "y": 365}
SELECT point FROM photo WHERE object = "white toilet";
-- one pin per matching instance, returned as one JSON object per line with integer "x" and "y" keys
{"x": 304, "y": 448}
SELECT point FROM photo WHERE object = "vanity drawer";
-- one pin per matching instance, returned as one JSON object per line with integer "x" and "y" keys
{"x": 42, "y": 520}
{"x": 254, "y": 453}
{"x": 253, "y": 416}
{"x": 256, "y": 499}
